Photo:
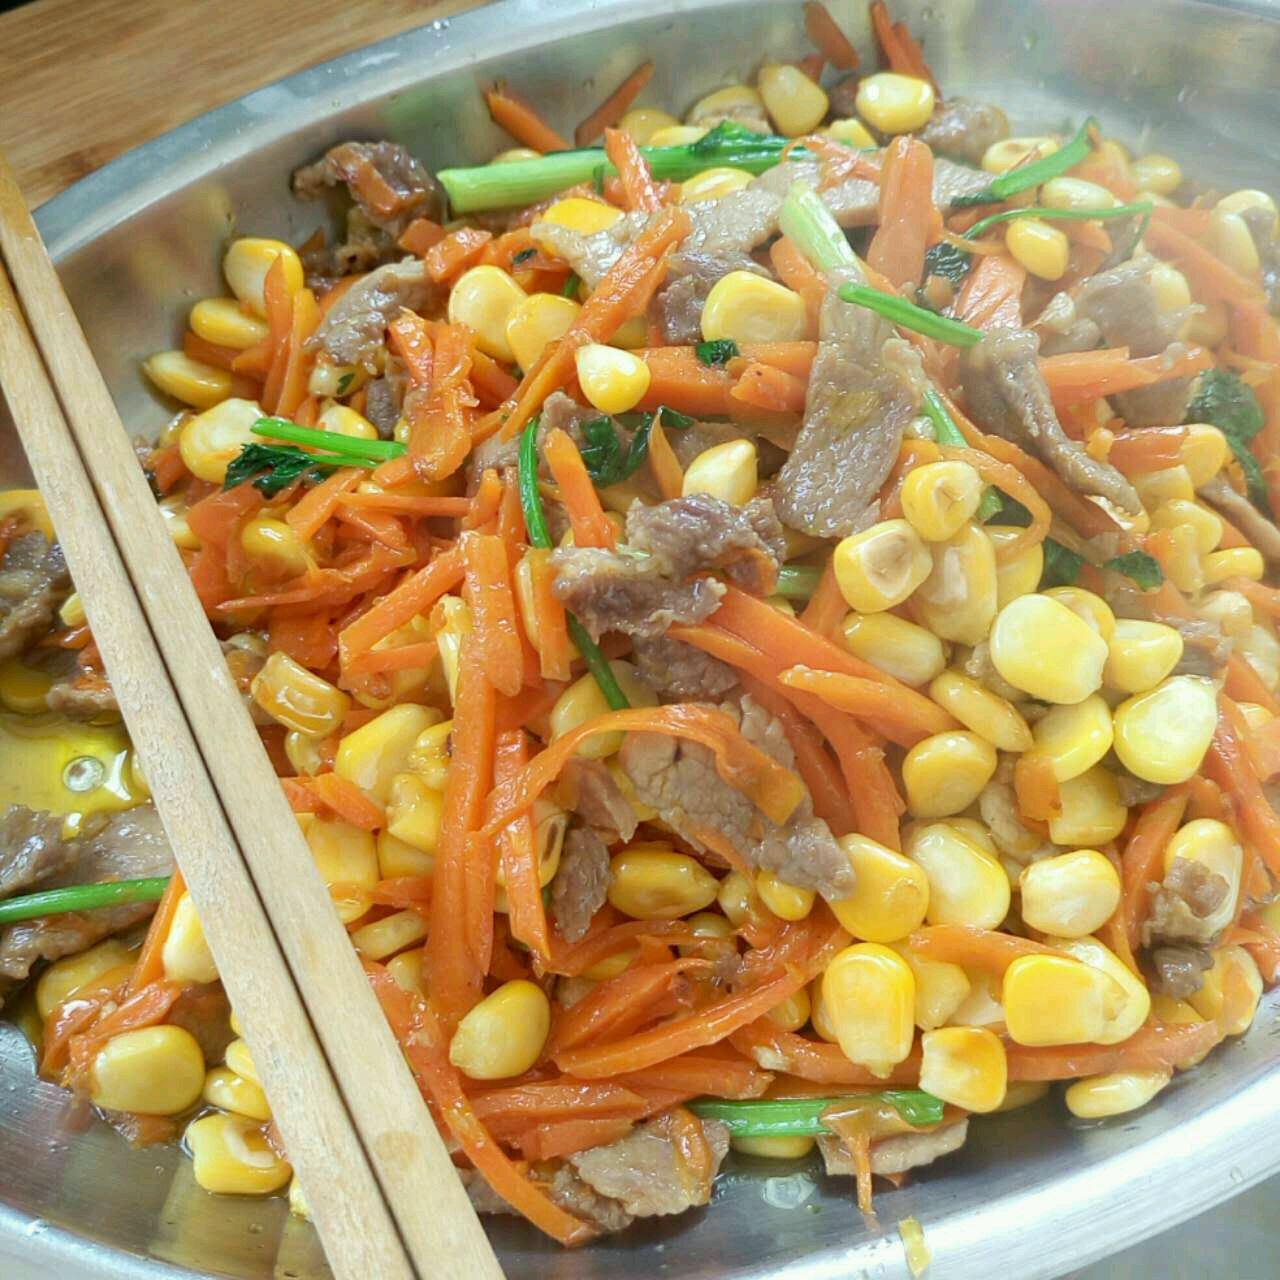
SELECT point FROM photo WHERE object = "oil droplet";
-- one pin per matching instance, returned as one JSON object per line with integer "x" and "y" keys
{"x": 84, "y": 773}
{"x": 789, "y": 1192}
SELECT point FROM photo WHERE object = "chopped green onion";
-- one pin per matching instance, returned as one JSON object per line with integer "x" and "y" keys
{"x": 799, "y": 581}
{"x": 910, "y": 316}
{"x": 798, "y": 1117}
{"x": 597, "y": 664}
{"x": 570, "y": 287}
{"x": 719, "y": 351}
{"x": 331, "y": 441}
{"x": 1140, "y": 209}
{"x": 945, "y": 429}
{"x": 810, "y": 226}
{"x": 1031, "y": 175}
{"x": 82, "y": 897}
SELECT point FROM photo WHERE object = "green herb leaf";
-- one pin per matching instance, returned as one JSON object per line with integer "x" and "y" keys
{"x": 273, "y": 467}
{"x": 1227, "y": 401}
{"x": 718, "y": 352}
{"x": 1034, "y": 174}
{"x": 793, "y": 1117}
{"x": 523, "y": 256}
{"x": 82, "y": 897}
{"x": 1061, "y": 565}
{"x": 1142, "y": 568}
{"x": 603, "y": 453}
{"x": 344, "y": 383}
{"x": 671, "y": 418}
{"x": 570, "y": 287}
{"x": 948, "y": 261}
{"x": 910, "y": 316}
{"x": 1142, "y": 209}
{"x": 1011, "y": 512}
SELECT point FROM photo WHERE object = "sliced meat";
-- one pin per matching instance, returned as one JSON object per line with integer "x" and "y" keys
{"x": 700, "y": 437}
{"x": 581, "y": 882}
{"x": 31, "y": 849}
{"x": 842, "y": 97}
{"x": 204, "y": 1010}
{"x": 1183, "y": 904}
{"x": 353, "y": 329}
{"x": 1131, "y": 790}
{"x": 34, "y": 583}
{"x": 1244, "y": 515}
{"x": 390, "y": 187}
{"x": 964, "y": 128}
{"x": 589, "y": 254}
{"x": 896, "y": 1155}
{"x": 83, "y": 695}
{"x": 677, "y": 309}
{"x": 587, "y": 789}
{"x": 1007, "y": 394}
{"x": 1180, "y": 969}
{"x": 751, "y": 115}
{"x": 865, "y": 387}
{"x": 677, "y": 672}
{"x": 679, "y": 779}
{"x": 645, "y": 1171}
{"x": 384, "y": 397}
{"x": 563, "y": 1186}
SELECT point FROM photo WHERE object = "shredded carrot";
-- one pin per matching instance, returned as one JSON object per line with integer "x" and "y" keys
{"x": 815, "y": 1060}
{"x": 870, "y": 700}
{"x": 553, "y": 646}
{"x": 1227, "y": 764}
{"x": 1155, "y": 1047}
{"x": 522, "y": 122}
{"x": 1211, "y": 279}
{"x": 908, "y": 218}
{"x": 775, "y": 390}
{"x": 973, "y": 948}
{"x": 150, "y": 966}
{"x": 991, "y": 298}
{"x": 827, "y": 606}
{"x": 279, "y": 324}
{"x": 1243, "y": 684}
{"x": 405, "y": 657}
{"x": 420, "y": 235}
{"x": 577, "y": 491}
{"x": 800, "y": 276}
{"x": 1140, "y": 863}
{"x": 493, "y": 611}
{"x": 1080, "y": 377}
{"x": 305, "y": 320}
{"x": 668, "y": 474}
{"x": 447, "y": 259}
{"x": 517, "y": 848}
{"x": 1146, "y": 449}
{"x": 679, "y": 380}
{"x": 1035, "y": 785}
{"x": 795, "y": 358}
{"x": 318, "y": 504}
{"x": 348, "y": 802}
{"x": 614, "y": 107}
{"x": 830, "y": 40}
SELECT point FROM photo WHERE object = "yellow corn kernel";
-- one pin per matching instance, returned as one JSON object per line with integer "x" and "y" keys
{"x": 1075, "y": 193}
{"x": 345, "y": 421}
{"x": 1069, "y": 895}
{"x": 1056, "y": 1000}
{"x": 966, "y": 884}
{"x": 429, "y": 758}
{"x": 1141, "y": 655}
{"x": 964, "y": 1066}
{"x": 868, "y": 992}
{"x": 728, "y": 471}
{"x": 1206, "y": 525}
{"x": 297, "y": 698}
{"x": 890, "y": 893}
{"x": 580, "y": 214}
{"x": 1231, "y": 991}
{"x": 1097, "y": 1097}
{"x": 989, "y": 716}
{"x": 819, "y": 1018}
{"x": 211, "y": 440}
{"x": 1129, "y": 1010}
{"x": 406, "y": 969}
{"x": 1247, "y": 200}
{"x": 745, "y": 308}
{"x": 372, "y": 755}
{"x": 713, "y": 928}
{"x": 1075, "y": 737}
{"x": 941, "y": 988}
{"x": 304, "y": 753}
{"x": 1234, "y": 562}
{"x": 793, "y": 1012}
{"x": 1230, "y": 610}
{"x": 1255, "y": 714}
{"x": 483, "y": 298}
{"x": 939, "y": 498}
{"x": 203, "y": 386}
{"x": 1214, "y": 846}
{"x": 346, "y": 857}
{"x": 786, "y": 1147}
{"x": 185, "y": 953}
{"x": 503, "y": 1035}
{"x": 246, "y": 264}
{"x": 981, "y": 1007}
{"x": 643, "y": 122}
{"x": 946, "y": 772}
{"x": 174, "y": 511}
{"x": 1204, "y": 452}
{"x": 1091, "y": 810}
{"x": 711, "y": 184}
{"x": 1092, "y": 608}
{"x": 1155, "y": 488}
{"x": 852, "y": 132}
{"x": 958, "y": 598}
{"x": 1004, "y": 155}
{"x": 1020, "y": 575}
{"x": 155, "y": 1071}
{"x": 225, "y": 323}
{"x": 1209, "y": 327}
{"x": 398, "y": 858}
{"x": 893, "y": 103}
{"x": 786, "y": 901}
{"x": 1023, "y": 1093}
{"x": 393, "y": 933}
{"x": 230, "y": 1155}
{"x": 658, "y": 884}
{"x": 537, "y": 320}
{"x": 614, "y": 381}
{"x": 796, "y": 104}
{"x": 734, "y": 896}
{"x": 1040, "y": 247}
{"x": 733, "y": 98}
{"x": 677, "y": 135}
{"x": 512, "y": 154}
{"x": 24, "y": 689}
{"x": 63, "y": 978}
{"x": 223, "y": 1088}
{"x": 1040, "y": 646}
{"x": 329, "y": 380}
{"x": 1230, "y": 239}
{"x": 880, "y": 567}
{"x": 976, "y": 831}
{"x": 1157, "y": 172}
{"x": 1162, "y": 735}
{"x": 583, "y": 701}
{"x": 1262, "y": 652}
{"x": 274, "y": 543}
{"x": 1172, "y": 292}
{"x": 897, "y": 647}
{"x": 414, "y": 811}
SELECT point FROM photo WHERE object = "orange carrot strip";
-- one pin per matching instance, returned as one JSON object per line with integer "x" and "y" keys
{"x": 405, "y": 657}
{"x": 891, "y": 50}
{"x": 493, "y": 611}
{"x": 795, "y": 358}
{"x": 668, "y": 474}
{"x": 1015, "y": 483}
{"x": 1140, "y": 862}
{"x": 826, "y": 35}
{"x": 559, "y": 1098}
{"x": 1264, "y": 947}
{"x": 827, "y": 606}
{"x": 455, "y": 253}
{"x": 146, "y": 1007}
{"x": 567, "y": 1137}
{"x": 150, "y": 966}
{"x": 907, "y": 213}
{"x": 869, "y": 700}
{"x": 451, "y": 507}
{"x": 1243, "y": 684}
{"x": 680, "y": 381}
{"x": 440, "y": 423}
{"x": 317, "y": 505}
{"x": 577, "y": 491}
{"x": 410, "y": 339}
{"x": 554, "y": 651}
{"x": 614, "y": 107}
{"x": 765, "y": 387}
{"x": 1155, "y": 1047}
{"x": 800, "y": 276}
{"x": 279, "y": 323}
{"x": 991, "y": 297}
{"x": 493, "y": 384}
{"x": 815, "y": 1060}
{"x": 1035, "y": 786}
{"x": 420, "y": 235}
{"x": 522, "y": 122}
{"x": 638, "y": 187}
{"x": 973, "y": 948}
{"x": 1227, "y": 764}
{"x": 517, "y": 849}
{"x": 1084, "y": 376}
{"x": 348, "y": 801}
{"x": 1146, "y": 449}
{"x": 304, "y": 322}
{"x": 692, "y": 1073}
{"x": 207, "y": 352}
{"x": 1211, "y": 279}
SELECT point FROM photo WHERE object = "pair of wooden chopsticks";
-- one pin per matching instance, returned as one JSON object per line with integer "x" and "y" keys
{"x": 379, "y": 1183}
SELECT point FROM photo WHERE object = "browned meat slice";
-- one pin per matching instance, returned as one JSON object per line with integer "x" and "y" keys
{"x": 204, "y": 1010}
{"x": 1244, "y": 515}
{"x": 590, "y": 255}
{"x": 645, "y": 1173}
{"x": 899, "y": 1154}
{"x": 34, "y": 583}
{"x": 1180, "y": 969}
{"x": 1133, "y": 791}
{"x": 1007, "y": 394}
{"x": 677, "y": 309}
{"x": 581, "y": 882}
{"x": 842, "y": 97}
{"x": 679, "y": 779}
{"x": 677, "y": 672}
{"x": 1183, "y": 904}
{"x": 564, "y": 1187}
{"x": 353, "y": 329}
{"x": 587, "y": 788}
{"x": 864, "y": 388}
{"x": 31, "y": 849}
{"x": 964, "y": 128}
{"x": 384, "y": 397}
{"x": 83, "y": 696}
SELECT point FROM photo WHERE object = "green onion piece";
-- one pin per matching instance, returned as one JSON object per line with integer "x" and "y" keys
{"x": 810, "y": 226}
{"x": 798, "y": 1117}
{"x": 1032, "y": 175}
{"x": 909, "y": 316}
{"x": 947, "y": 432}
{"x": 1140, "y": 209}
{"x": 597, "y": 664}
{"x": 570, "y": 287}
{"x": 331, "y": 441}
{"x": 82, "y": 897}
{"x": 798, "y": 581}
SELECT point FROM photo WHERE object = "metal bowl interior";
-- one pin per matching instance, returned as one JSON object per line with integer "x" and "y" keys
{"x": 1031, "y": 1195}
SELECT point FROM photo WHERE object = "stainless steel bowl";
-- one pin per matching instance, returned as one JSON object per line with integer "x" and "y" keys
{"x": 1032, "y": 1195}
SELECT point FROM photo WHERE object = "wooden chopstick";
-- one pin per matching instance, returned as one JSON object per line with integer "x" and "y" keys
{"x": 427, "y": 1201}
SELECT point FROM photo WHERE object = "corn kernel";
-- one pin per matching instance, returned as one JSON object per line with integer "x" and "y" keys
{"x": 483, "y": 298}
{"x": 1076, "y": 194}
{"x": 745, "y": 308}
{"x": 712, "y": 184}
{"x": 223, "y": 1088}
{"x": 1234, "y": 562}
{"x": 246, "y": 264}
{"x": 580, "y": 214}
{"x": 734, "y": 896}
{"x": 1206, "y": 525}
{"x": 941, "y": 988}
{"x": 1019, "y": 575}
{"x": 274, "y": 544}
{"x": 946, "y": 772}
{"x": 643, "y": 122}
{"x": 1088, "y": 606}
{"x": 345, "y": 421}
{"x": 890, "y": 893}
{"x": 1097, "y": 1097}
{"x": 1132, "y": 1003}
{"x": 537, "y": 320}
{"x": 989, "y": 716}
{"x": 796, "y": 104}
{"x": 1230, "y": 610}
{"x": 732, "y": 99}
{"x": 1230, "y": 992}
{"x": 230, "y": 1155}
{"x": 372, "y": 755}
{"x": 1155, "y": 488}
{"x": 225, "y": 323}
{"x": 406, "y": 969}
{"x": 414, "y": 811}
{"x": 155, "y": 1071}
{"x": 793, "y": 1012}
{"x": 613, "y": 381}
{"x": 1230, "y": 239}
{"x": 391, "y": 934}
{"x": 503, "y": 1035}
{"x": 346, "y": 857}
{"x": 1091, "y": 810}
{"x": 583, "y": 701}
{"x": 966, "y": 884}
{"x": 63, "y": 978}
{"x": 1075, "y": 737}
{"x": 1069, "y": 895}
{"x": 851, "y": 131}
{"x": 1162, "y": 735}
{"x": 880, "y": 567}
{"x": 939, "y": 498}
{"x": 1157, "y": 172}
{"x": 185, "y": 953}
{"x": 899, "y": 648}
{"x": 958, "y": 598}
{"x": 819, "y": 1018}
{"x": 1043, "y": 249}
{"x": 1249, "y": 200}
{"x": 1204, "y": 452}
{"x": 677, "y": 135}
{"x": 1214, "y": 846}
{"x": 981, "y": 1007}
{"x": 1056, "y": 1000}
{"x": 964, "y": 1066}
{"x": 429, "y": 758}
{"x": 1255, "y": 714}
{"x": 174, "y": 512}
{"x": 786, "y": 901}
{"x": 728, "y": 471}
{"x": 869, "y": 995}
{"x": 329, "y": 381}
{"x": 203, "y": 386}
{"x": 1004, "y": 155}
{"x": 1262, "y": 652}
{"x": 1141, "y": 655}
{"x": 1042, "y": 647}
{"x": 658, "y": 884}
{"x": 784, "y": 1147}
{"x": 893, "y": 103}
{"x": 297, "y": 698}
{"x": 211, "y": 440}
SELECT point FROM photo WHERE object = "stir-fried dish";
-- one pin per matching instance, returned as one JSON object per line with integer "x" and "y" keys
{"x": 763, "y": 622}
